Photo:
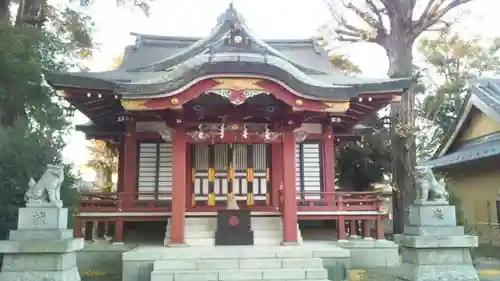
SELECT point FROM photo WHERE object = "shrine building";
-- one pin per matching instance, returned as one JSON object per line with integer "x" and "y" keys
{"x": 202, "y": 121}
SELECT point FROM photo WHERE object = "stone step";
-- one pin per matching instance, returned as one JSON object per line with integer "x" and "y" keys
{"x": 210, "y": 227}
{"x": 242, "y": 252}
{"x": 249, "y": 263}
{"x": 211, "y": 233}
{"x": 240, "y": 274}
{"x": 208, "y": 241}
{"x": 209, "y": 223}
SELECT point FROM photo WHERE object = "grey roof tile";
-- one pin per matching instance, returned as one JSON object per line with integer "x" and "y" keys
{"x": 485, "y": 94}
{"x": 470, "y": 152}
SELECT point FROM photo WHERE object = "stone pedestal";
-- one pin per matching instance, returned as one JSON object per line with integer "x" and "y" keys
{"x": 433, "y": 247}
{"x": 42, "y": 248}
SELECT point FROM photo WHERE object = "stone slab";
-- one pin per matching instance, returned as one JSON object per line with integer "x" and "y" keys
{"x": 138, "y": 262}
{"x": 287, "y": 274}
{"x": 70, "y": 274}
{"x": 413, "y": 272}
{"x": 41, "y": 246}
{"x": 362, "y": 243}
{"x": 317, "y": 250}
{"x": 431, "y": 203}
{"x": 443, "y": 256}
{"x": 42, "y": 218}
{"x": 241, "y": 274}
{"x": 464, "y": 241}
{"x": 372, "y": 253}
{"x": 38, "y": 262}
{"x": 434, "y": 230}
{"x": 442, "y": 215}
{"x": 28, "y": 234}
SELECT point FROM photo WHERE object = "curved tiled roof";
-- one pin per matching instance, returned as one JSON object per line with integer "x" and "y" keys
{"x": 159, "y": 64}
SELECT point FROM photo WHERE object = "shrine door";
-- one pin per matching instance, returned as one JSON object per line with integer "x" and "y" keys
{"x": 238, "y": 170}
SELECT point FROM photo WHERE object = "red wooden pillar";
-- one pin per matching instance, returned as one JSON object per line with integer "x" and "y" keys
{"x": 77, "y": 231}
{"x": 290, "y": 235}
{"x": 121, "y": 163}
{"x": 328, "y": 163}
{"x": 353, "y": 228}
{"x": 179, "y": 145}
{"x": 379, "y": 230}
{"x": 366, "y": 229}
{"x": 340, "y": 221}
{"x": 277, "y": 173}
{"x": 130, "y": 164}
{"x": 119, "y": 230}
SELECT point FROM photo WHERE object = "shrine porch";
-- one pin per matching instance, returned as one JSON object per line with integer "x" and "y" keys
{"x": 360, "y": 213}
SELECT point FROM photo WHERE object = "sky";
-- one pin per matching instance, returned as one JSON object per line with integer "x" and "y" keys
{"x": 266, "y": 18}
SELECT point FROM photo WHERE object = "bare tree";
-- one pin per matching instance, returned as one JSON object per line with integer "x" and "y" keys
{"x": 393, "y": 25}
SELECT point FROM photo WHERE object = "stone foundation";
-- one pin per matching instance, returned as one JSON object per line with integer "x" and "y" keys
{"x": 370, "y": 253}
{"x": 42, "y": 248}
{"x": 138, "y": 263}
{"x": 433, "y": 247}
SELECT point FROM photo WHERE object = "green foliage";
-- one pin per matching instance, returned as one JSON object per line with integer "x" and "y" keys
{"x": 104, "y": 159}
{"x": 453, "y": 60}
{"x": 143, "y": 5}
{"x": 359, "y": 165}
{"x": 33, "y": 118}
{"x": 342, "y": 63}
{"x": 24, "y": 154}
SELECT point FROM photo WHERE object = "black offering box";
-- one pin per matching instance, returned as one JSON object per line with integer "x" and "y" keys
{"x": 233, "y": 228}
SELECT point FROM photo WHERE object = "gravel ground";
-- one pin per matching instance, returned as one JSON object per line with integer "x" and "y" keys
{"x": 488, "y": 270}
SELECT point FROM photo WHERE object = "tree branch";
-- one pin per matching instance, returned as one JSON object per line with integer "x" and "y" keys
{"x": 385, "y": 3}
{"x": 366, "y": 17}
{"x": 425, "y": 13}
{"x": 350, "y": 33}
{"x": 434, "y": 13}
{"x": 378, "y": 13}
{"x": 442, "y": 28}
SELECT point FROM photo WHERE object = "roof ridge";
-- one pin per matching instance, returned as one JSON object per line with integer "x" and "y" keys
{"x": 219, "y": 33}
{"x": 145, "y": 36}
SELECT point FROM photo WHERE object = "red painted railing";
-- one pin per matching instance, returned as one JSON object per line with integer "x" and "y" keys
{"x": 338, "y": 201}
{"x": 161, "y": 202}
{"x": 129, "y": 202}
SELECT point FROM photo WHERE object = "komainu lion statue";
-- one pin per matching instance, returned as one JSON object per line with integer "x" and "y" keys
{"x": 47, "y": 191}
{"x": 430, "y": 189}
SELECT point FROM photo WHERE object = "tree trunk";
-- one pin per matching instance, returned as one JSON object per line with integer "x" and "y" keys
{"x": 4, "y": 12}
{"x": 31, "y": 13}
{"x": 399, "y": 52}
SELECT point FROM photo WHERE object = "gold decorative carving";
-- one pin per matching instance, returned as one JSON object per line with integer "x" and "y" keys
{"x": 396, "y": 98}
{"x": 299, "y": 102}
{"x": 134, "y": 104}
{"x": 337, "y": 107}
{"x": 174, "y": 101}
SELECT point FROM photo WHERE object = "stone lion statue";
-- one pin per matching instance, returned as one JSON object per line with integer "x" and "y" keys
{"x": 430, "y": 189}
{"x": 47, "y": 191}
